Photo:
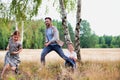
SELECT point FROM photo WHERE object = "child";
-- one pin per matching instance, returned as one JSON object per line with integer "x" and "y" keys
{"x": 72, "y": 55}
{"x": 12, "y": 56}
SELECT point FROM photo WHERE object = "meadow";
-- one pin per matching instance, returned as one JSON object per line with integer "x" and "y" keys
{"x": 97, "y": 64}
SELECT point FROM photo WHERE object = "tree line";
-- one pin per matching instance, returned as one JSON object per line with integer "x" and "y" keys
{"x": 89, "y": 39}
{"x": 35, "y": 32}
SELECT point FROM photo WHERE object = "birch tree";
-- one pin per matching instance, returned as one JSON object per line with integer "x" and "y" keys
{"x": 22, "y": 10}
{"x": 70, "y": 5}
{"x": 64, "y": 21}
{"x": 77, "y": 30}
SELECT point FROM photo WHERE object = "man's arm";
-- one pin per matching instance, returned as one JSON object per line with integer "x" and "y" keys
{"x": 55, "y": 34}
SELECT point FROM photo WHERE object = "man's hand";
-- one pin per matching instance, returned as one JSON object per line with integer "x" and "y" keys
{"x": 46, "y": 44}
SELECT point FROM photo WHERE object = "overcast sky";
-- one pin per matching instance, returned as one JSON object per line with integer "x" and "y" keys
{"x": 103, "y": 15}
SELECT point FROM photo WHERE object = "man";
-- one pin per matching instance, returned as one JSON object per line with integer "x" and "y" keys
{"x": 52, "y": 35}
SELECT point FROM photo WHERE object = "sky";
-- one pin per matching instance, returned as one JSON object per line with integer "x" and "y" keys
{"x": 103, "y": 15}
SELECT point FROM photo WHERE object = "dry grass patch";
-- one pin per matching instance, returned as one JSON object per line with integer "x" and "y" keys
{"x": 56, "y": 71}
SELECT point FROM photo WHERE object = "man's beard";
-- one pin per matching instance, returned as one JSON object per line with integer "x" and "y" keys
{"x": 48, "y": 25}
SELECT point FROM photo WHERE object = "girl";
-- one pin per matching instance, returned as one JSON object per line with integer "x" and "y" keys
{"x": 12, "y": 56}
{"x": 72, "y": 55}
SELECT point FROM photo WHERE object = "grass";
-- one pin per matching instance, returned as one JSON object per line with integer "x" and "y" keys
{"x": 56, "y": 71}
{"x": 98, "y": 64}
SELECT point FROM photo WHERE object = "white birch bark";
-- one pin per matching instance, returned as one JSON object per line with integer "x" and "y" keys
{"x": 64, "y": 22}
{"x": 16, "y": 26}
{"x": 77, "y": 30}
{"x": 22, "y": 32}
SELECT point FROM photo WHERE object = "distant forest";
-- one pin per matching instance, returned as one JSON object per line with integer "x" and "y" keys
{"x": 34, "y": 32}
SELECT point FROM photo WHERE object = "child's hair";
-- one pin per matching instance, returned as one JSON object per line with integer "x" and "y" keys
{"x": 16, "y": 33}
{"x": 70, "y": 43}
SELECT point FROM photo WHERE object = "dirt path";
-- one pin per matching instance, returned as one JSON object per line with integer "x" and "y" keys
{"x": 91, "y": 54}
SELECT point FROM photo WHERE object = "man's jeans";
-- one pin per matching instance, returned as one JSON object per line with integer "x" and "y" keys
{"x": 68, "y": 64}
{"x": 57, "y": 49}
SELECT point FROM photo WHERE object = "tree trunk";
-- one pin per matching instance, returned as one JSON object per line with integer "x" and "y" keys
{"x": 16, "y": 26}
{"x": 64, "y": 22}
{"x": 22, "y": 32}
{"x": 77, "y": 30}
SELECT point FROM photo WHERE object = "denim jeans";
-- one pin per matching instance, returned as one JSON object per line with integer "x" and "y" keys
{"x": 68, "y": 64}
{"x": 58, "y": 50}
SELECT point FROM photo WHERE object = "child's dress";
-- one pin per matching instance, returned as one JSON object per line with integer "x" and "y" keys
{"x": 13, "y": 59}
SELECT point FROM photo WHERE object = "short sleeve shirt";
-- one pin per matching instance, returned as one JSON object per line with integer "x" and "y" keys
{"x": 14, "y": 46}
